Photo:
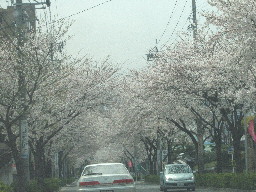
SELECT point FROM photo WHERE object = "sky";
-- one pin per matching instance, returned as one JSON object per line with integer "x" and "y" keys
{"x": 125, "y": 30}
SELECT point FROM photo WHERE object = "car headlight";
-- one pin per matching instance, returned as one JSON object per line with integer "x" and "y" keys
{"x": 168, "y": 179}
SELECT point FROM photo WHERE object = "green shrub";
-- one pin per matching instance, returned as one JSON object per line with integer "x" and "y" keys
{"x": 67, "y": 181}
{"x": 52, "y": 184}
{"x": 49, "y": 185}
{"x": 227, "y": 180}
{"x": 34, "y": 187}
{"x": 5, "y": 188}
{"x": 152, "y": 179}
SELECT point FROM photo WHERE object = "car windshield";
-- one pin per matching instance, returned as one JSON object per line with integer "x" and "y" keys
{"x": 105, "y": 169}
{"x": 178, "y": 169}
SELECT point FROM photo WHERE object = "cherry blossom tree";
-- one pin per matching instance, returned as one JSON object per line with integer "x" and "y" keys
{"x": 57, "y": 91}
{"x": 234, "y": 50}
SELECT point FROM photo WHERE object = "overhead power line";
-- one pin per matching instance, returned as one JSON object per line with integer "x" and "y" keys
{"x": 152, "y": 55}
{"x": 82, "y": 11}
{"x": 155, "y": 49}
{"x": 186, "y": 24}
{"x": 168, "y": 21}
{"x": 175, "y": 25}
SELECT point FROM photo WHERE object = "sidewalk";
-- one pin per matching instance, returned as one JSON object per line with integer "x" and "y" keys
{"x": 226, "y": 189}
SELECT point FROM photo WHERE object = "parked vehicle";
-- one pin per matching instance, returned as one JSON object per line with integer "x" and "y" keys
{"x": 106, "y": 177}
{"x": 177, "y": 176}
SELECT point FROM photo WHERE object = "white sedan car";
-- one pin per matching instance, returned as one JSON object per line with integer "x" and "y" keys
{"x": 106, "y": 177}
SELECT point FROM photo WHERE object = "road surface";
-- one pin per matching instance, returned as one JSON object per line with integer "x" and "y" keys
{"x": 155, "y": 188}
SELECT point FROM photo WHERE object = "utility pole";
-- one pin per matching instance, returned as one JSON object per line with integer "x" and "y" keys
{"x": 200, "y": 150}
{"x": 23, "y": 125}
{"x": 194, "y": 25}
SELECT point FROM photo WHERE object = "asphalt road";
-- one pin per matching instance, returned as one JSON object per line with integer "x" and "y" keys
{"x": 155, "y": 188}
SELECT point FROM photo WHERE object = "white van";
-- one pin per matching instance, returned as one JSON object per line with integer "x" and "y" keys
{"x": 177, "y": 176}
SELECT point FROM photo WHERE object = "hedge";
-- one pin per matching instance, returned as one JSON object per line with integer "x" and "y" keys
{"x": 154, "y": 179}
{"x": 4, "y": 187}
{"x": 222, "y": 180}
{"x": 227, "y": 180}
{"x": 50, "y": 185}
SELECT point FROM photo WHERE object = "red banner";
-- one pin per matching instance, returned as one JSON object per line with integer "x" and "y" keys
{"x": 251, "y": 130}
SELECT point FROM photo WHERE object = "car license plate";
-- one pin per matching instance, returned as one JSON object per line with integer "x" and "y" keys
{"x": 106, "y": 190}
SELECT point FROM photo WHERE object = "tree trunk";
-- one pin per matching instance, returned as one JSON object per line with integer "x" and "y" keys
{"x": 237, "y": 131}
{"x": 217, "y": 137}
{"x": 200, "y": 151}
{"x": 169, "y": 151}
{"x": 155, "y": 160}
{"x": 151, "y": 166}
{"x": 39, "y": 163}
{"x": 218, "y": 155}
{"x": 237, "y": 155}
{"x": 48, "y": 169}
{"x": 200, "y": 154}
{"x": 21, "y": 178}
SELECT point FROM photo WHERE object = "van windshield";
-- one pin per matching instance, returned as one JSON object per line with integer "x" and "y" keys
{"x": 177, "y": 169}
